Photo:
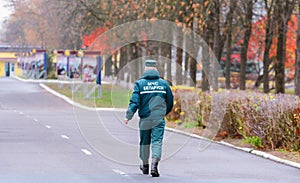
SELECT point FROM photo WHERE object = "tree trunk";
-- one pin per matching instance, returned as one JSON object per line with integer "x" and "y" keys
{"x": 216, "y": 45}
{"x": 191, "y": 60}
{"x": 297, "y": 66}
{"x": 186, "y": 68}
{"x": 248, "y": 29}
{"x": 167, "y": 53}
{"x": 116, "y": 69}
{"x": 160, "y": 62}
{"x": 123, "y": 61}
{"x": 228, "y": 61}
{"x": 279, "y": 61}
{"x": 283, "y": 17}
{"x": 229, "y": 43}
{"x": 108, "y": 66}
{"x": 132, "y": 73}
{"x": 178, "y": 38}
{"x": 193, "y": 71}
{"x": 285, "y": 10}
{"x": 179, "y": 53}
{"x": 205, "y": 69}
{"x": 268, "y": 43}
{"x": 169, "y": 71}
{"x": 137, "y": 65}
{"x": 205, "y": 85}
{"x": 206, "y": 34}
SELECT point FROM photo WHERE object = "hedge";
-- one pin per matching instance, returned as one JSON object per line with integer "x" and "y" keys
{"x": 269, "y": 121}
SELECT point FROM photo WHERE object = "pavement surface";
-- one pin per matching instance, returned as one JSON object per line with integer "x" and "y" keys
{"x": 45, "y": 139}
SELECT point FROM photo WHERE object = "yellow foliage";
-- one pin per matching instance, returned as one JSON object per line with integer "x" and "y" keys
{"x": 181, "y": 87}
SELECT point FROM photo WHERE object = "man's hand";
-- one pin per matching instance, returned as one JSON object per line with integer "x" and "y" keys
{"x": 126, "y": 121}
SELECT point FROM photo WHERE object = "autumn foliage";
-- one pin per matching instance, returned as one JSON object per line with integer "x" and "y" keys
{"x": 257, "y": 43}
{"x": 89, "y": 39}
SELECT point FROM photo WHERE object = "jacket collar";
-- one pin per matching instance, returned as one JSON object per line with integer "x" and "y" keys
{"x": 150, "y": 74}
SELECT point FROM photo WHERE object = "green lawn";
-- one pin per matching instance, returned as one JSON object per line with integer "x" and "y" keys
{"x": 112, "y": 96}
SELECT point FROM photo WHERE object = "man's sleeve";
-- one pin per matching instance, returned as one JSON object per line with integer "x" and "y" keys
{"x": 169, "y": 100}
{"x": 134, "y": 102}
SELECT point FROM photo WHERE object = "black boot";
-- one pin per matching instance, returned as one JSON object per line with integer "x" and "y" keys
{"x": 145, "y": 169}
{"x": 154, "y": 169}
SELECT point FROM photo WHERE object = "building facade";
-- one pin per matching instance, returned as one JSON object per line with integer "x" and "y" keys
{"x": 9, "y": 60}
{"x": 9, "y": 64}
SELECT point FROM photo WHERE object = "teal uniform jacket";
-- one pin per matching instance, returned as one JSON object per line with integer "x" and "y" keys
{"x": 152, "y": 97}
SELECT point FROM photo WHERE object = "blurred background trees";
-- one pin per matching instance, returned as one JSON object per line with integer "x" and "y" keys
{"x": 255, "y": 41}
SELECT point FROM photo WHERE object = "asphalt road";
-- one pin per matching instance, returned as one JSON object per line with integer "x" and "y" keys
{"x": 45, "y": 139}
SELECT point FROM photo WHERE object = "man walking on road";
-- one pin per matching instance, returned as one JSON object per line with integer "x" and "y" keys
{"x": 153, "y": 99}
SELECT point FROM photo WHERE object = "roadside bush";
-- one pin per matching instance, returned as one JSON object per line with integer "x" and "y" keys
{"x": 52, "y": 75}
{"x": 268, "y": 117}
{"x": 191, "y": 107}
{"x": 265, "y": 120}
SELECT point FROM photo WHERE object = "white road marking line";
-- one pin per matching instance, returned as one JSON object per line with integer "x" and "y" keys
{"x": 47, "y": 126}
{"x": 65, "y": 137}
{"x": 120, "y": 172}
{"x": 87, "y": 152}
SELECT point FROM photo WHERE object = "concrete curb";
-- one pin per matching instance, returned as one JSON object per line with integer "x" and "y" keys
{"x": 51, "y": 81}
{"x": 68, "y": 100}
{"x": 248, "y": 150}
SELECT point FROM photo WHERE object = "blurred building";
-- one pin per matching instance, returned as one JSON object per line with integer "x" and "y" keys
{"x": 9, "y": 60}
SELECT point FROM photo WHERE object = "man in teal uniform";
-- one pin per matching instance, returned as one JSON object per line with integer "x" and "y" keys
{"x": 153, "y": 99}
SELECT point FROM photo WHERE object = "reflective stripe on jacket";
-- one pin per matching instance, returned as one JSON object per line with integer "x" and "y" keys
{"x": 152, "y": 97}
